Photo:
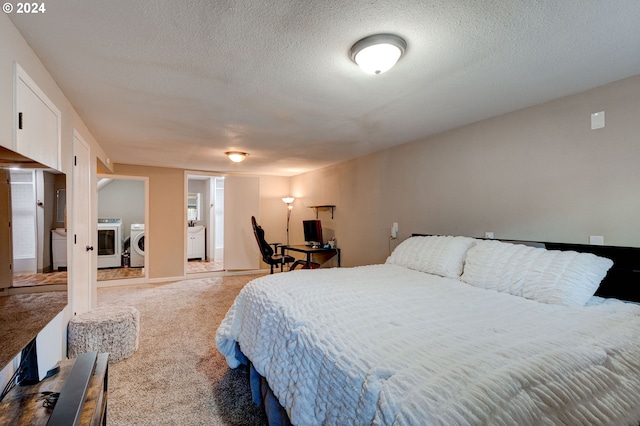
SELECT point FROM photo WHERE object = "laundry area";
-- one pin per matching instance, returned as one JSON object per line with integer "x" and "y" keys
{"x": 121, "y": 228}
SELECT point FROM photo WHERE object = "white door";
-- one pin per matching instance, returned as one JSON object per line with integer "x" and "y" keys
{"x": 209, "y": 210}
{"x": 83, "y": 290}
{"x": 241, "y": 201}
{"x": 6, "y": 257}
{"x": 217, "y": 219}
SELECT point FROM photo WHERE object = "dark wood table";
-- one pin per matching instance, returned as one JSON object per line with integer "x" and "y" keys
{"x": 309, "y": 251}
{"x": 24, "y": 405}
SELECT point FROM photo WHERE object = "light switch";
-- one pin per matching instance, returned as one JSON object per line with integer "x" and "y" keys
{"x": 596, "y": 240}
{"x": 597, "y": 120}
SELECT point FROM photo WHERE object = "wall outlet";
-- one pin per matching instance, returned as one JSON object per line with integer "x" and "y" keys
{"x": 488, "y": 235}
{"x": 394, "y": 230}
{"x": 596, "y": 240}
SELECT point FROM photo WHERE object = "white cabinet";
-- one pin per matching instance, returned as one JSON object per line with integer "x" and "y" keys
{"x": 38, "y": 122}
{"x": 59, "y": 248}
{"x": 195, "y": 242}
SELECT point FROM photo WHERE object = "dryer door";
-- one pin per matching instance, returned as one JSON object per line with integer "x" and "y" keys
{"x": 138, "y": 243}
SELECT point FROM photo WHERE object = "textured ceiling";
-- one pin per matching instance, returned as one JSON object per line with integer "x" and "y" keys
{"x": 178, "y": 83}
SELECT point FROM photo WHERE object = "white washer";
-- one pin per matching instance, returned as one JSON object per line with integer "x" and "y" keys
{"x": 137, "y": 245}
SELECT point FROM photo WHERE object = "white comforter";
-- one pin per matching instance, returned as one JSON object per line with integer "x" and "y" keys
{"x": 382, "y": 344}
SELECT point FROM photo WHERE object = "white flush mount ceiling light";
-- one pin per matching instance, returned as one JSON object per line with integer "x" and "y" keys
{"x": 236, "y": 156}
{"x": 378, "y": 53}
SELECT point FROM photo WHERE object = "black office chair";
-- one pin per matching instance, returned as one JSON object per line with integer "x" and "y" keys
{"x": 270, "y": 255}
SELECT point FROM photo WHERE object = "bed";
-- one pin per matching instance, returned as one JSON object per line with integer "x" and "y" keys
{"x": 449, "y": 330}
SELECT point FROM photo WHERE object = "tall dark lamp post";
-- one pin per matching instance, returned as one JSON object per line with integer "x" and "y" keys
{"x": 288, "y": 201}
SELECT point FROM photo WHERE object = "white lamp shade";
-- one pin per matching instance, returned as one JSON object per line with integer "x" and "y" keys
{"x": 288, "y": 200}
{"x": 378, "y": 53}
{"x": 378, "y": 58}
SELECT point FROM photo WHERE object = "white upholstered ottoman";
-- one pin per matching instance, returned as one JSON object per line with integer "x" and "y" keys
{"x": 112, "y": 329}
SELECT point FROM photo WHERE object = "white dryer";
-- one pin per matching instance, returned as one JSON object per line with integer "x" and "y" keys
{"x": 137, "y": 245}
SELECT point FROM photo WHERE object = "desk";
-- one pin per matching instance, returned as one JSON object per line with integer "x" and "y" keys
{"x": 308, "y": 250}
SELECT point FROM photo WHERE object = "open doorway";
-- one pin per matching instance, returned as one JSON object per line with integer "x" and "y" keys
{"x": 205, "y": 223}
{"x": 121, "y": 228}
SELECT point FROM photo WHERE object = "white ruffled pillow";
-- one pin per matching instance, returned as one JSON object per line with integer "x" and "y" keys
{"x": 438, "y": 255}
{"x": 549, "y": 276}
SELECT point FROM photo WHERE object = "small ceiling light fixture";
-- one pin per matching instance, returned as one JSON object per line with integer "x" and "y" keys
{"x": 378, "y": 53}
{"x": 236, "y": 156}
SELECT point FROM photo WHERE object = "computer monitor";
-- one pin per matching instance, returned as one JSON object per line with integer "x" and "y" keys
{"x": 312, "y": 231}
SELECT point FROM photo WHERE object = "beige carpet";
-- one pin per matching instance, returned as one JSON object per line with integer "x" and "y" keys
{"x": 177, "y": 377}
{"x": 22, "y": 316}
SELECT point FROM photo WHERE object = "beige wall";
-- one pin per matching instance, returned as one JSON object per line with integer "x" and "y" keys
{"x": 539, "y": 173}
{"x": 164, "y": 234}
{"x": 273, "y": 212}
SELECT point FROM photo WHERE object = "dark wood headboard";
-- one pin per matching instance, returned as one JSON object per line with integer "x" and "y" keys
{"x": 622, "y": 280}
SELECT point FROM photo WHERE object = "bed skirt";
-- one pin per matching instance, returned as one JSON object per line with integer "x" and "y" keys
{"x": 262, "y": 395}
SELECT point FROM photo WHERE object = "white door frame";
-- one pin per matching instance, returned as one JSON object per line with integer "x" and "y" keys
{"x": 207, "y": 214}
{"x": 82, "y": 280}
{"x": 147, "y": 246}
